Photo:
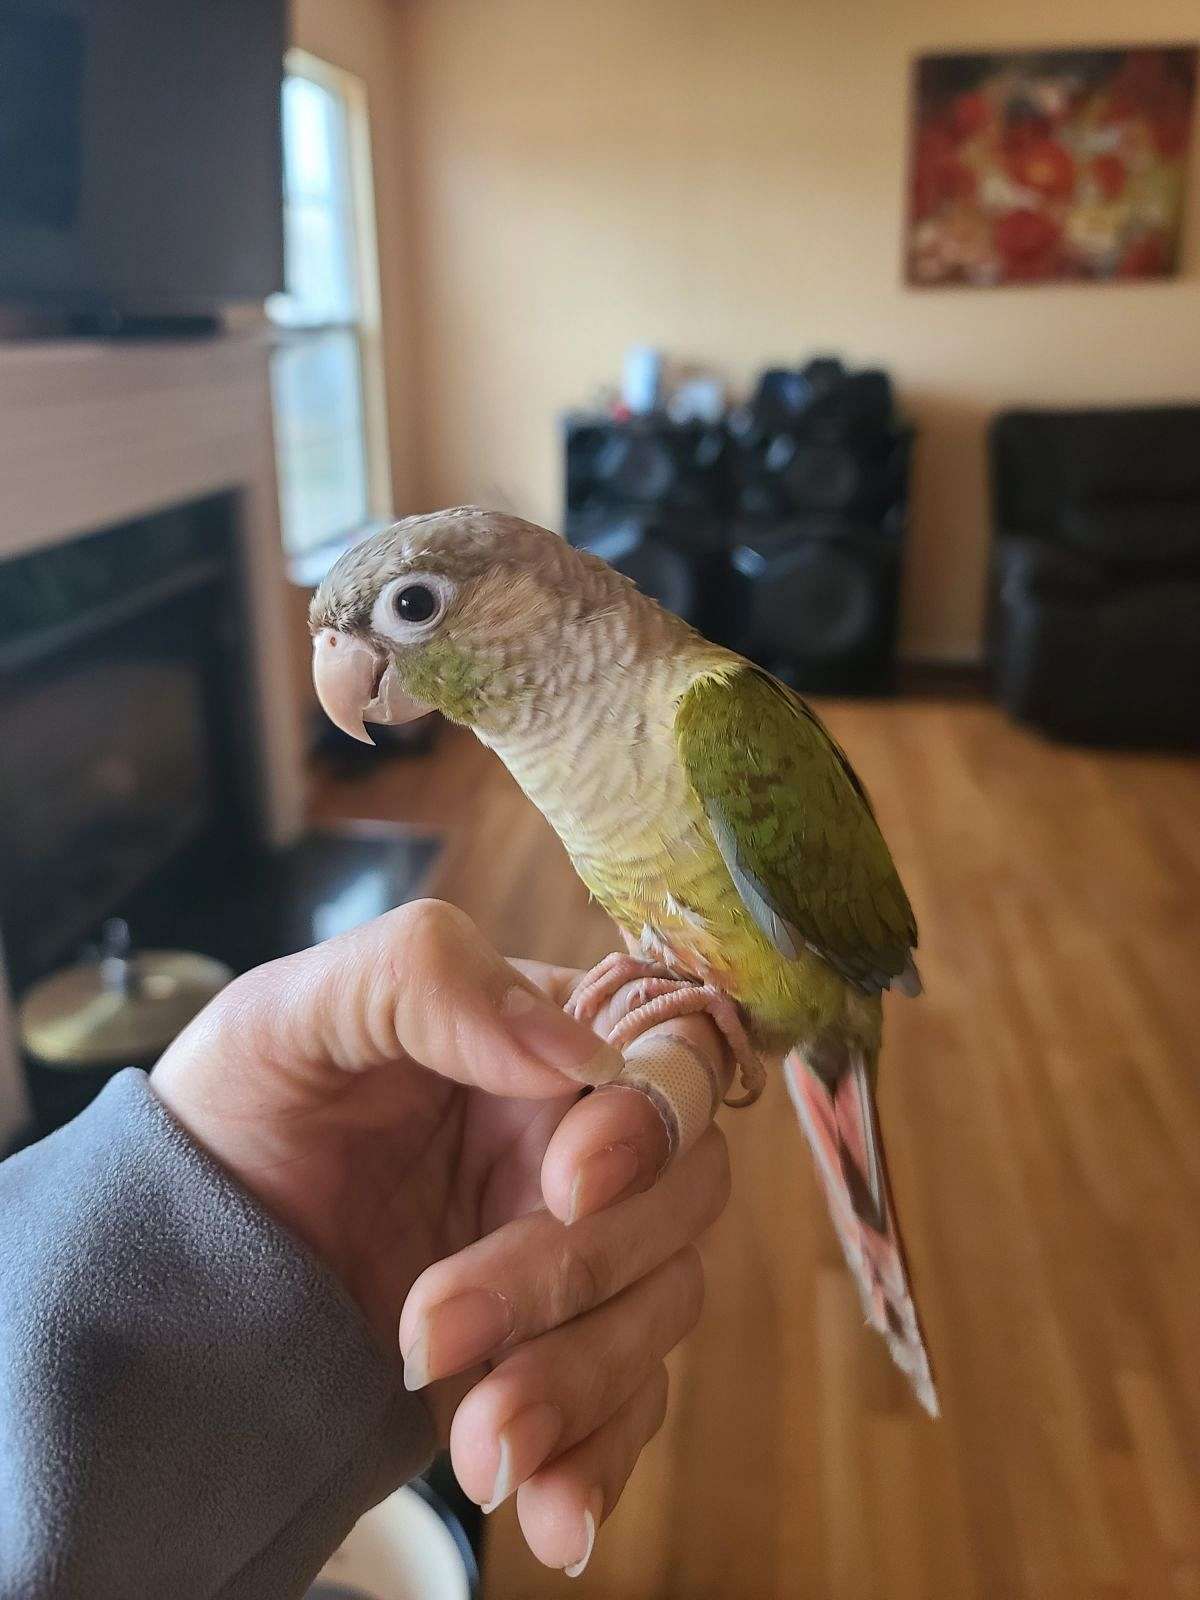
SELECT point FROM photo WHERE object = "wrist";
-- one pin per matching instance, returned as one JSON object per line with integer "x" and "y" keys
{"x": 273, "y": 1177}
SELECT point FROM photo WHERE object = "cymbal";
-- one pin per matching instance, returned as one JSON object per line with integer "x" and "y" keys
{"x": 122, "y": 1013}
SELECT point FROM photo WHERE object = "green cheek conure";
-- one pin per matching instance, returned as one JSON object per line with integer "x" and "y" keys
{"x": 700, "y": 800}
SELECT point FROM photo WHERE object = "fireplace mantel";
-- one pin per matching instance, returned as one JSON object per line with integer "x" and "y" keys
{"x": 94, "y": 433}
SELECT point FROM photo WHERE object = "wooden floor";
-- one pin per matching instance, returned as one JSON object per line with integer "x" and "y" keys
{"x": 1042, "y": 1109}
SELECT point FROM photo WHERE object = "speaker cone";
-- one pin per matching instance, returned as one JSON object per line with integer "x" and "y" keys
{"x": 657, "y": 567}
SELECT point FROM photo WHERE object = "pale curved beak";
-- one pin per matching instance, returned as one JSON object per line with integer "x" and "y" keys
{"x": 355, "y": 685}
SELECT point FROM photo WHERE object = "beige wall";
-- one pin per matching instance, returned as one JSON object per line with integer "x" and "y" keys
{"x": 726, "y": 180}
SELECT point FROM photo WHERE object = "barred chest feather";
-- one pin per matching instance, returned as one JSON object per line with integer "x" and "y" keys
{"x": 604, "y": 770}
{"x": 594, "y": 748}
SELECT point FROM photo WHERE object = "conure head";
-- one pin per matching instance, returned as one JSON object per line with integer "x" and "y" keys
{"x": 449, "y": 612}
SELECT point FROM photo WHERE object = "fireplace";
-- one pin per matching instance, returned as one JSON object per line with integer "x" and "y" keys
{"x": 130, "y": 781}
{"x": 121, "y": 669}
{"x": 97, "y": 438}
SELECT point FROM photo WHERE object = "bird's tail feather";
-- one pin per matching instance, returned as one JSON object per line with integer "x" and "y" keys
{"x": 837, "y": 1112}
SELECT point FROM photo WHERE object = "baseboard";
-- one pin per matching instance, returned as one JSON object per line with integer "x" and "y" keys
{"x": 943, "y": 679}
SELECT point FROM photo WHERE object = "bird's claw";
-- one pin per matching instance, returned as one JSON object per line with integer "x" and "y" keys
{"x": 606, "y": 979}
{"x": 660, "y": 996}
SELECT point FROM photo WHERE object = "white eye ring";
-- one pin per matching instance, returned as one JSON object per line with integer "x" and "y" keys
{"x": 387, "y": 619}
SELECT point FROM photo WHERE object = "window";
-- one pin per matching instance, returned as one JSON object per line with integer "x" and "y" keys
{"x": 326, "y": 372}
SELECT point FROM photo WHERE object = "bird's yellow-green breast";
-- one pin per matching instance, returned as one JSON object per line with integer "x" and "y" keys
{"x": 613, "y": 778}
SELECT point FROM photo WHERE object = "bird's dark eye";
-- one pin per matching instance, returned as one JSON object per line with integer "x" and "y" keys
{"x": 416, "y": 602}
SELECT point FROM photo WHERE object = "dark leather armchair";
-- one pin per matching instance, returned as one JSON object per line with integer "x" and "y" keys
{"x": 1094, "y": 616}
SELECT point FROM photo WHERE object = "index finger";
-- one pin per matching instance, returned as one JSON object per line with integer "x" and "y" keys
{"x": 419, "y": 983}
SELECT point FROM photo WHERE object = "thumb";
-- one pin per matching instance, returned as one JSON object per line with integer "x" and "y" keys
{"x": 422, "y": 984}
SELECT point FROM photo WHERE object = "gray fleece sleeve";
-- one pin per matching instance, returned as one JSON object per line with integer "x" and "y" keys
{"x": 190, "y": 1405}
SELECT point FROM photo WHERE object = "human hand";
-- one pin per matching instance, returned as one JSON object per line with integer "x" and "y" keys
{"x": 407, "y": 1102}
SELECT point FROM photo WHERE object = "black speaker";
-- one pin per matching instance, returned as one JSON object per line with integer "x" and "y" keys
{"x": 644, "y": 463}
{"x": 818, "y": 439}
{"x": 816, "y": 601}
{"x": 679, "y": 559}
{"x": 821, "y": 397}
{"x": 791, "y": 472}
{"x": 806, "y": 485}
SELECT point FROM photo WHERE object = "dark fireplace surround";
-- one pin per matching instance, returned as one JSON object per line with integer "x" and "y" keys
{"x": 119, "y": 674}
{"x": 130, "y": 778}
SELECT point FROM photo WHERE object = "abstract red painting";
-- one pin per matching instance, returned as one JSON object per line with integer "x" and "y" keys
{"x": 1049, "y": 166}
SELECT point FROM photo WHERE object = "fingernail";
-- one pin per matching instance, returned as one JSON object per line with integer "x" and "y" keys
{"x": 456, "y": 1334}
{"x": 525, "y": 1442}
{"x": 601, "y": 1178}
{"x": 416, "y": 1365}
{"x": 557, "y": 1040}
{"x": 590, "y": 1518}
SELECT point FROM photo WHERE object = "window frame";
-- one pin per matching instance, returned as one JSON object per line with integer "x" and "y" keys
{"x": 367, "y": 327}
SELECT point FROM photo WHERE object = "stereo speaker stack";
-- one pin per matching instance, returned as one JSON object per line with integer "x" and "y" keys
{"x": 649, "y": 495}
{"x": 778, "y": 532}
{"x": 819, "y": 474}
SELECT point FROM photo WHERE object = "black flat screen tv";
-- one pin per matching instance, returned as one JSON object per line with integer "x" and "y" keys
{"x": 140, "y": 160}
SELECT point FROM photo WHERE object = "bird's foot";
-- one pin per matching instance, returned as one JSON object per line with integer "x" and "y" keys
{"x": 660, "y": 996}
{"x": 606, "y": 979}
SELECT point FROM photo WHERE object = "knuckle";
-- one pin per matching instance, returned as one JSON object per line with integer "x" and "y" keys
{"x": 427, "y": 924}
{"x": 660, "y": 1396}
{"x": 419, "y": 946}
{"x": 241, "y": 999}
{"x": 581, "y": 1281}
{"x": 723, "y": 1176}
{"x": 690, "y": 1289}
{"x": 246, "y": 1010}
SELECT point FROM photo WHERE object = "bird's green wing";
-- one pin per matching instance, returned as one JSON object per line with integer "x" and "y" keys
{"x": 795, "y": 827}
